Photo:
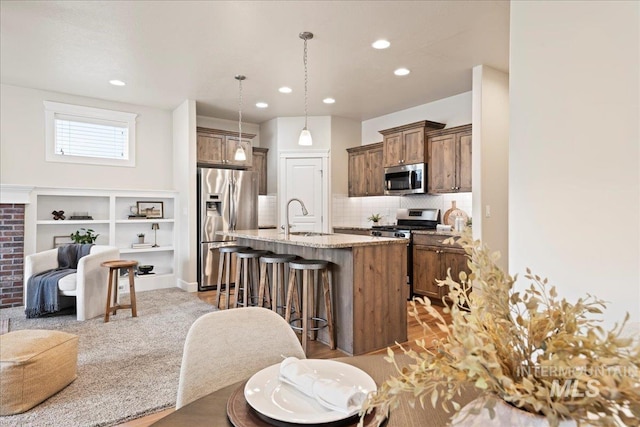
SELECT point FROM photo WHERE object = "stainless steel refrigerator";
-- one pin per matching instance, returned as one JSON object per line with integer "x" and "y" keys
{"x": 227, "y": 200}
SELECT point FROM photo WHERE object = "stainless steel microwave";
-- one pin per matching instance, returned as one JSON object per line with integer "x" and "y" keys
{"x": 405, "y": 179}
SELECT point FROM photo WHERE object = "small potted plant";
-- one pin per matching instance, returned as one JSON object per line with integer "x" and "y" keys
{"x": 140, "y": 237}
{"x": 375, "y": 218}
{"x": 84, "y": 236}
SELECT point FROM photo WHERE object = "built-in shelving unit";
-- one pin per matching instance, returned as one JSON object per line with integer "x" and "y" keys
{"x": 110, "y": 210}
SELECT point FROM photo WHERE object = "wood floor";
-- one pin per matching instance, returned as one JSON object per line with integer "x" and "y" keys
{"x": 317, "y": 350}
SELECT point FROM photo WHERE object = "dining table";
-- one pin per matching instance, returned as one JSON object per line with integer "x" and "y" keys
{"x": 212, "y": 409}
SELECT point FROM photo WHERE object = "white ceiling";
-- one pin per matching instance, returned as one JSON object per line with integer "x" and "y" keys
{"x": 170, "y": 51}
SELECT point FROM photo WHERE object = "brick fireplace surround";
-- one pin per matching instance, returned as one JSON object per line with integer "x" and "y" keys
{"x": 11, "y": 255}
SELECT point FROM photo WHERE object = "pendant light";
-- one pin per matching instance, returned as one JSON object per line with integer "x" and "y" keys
{"x": 241, "y": 154}
{"x": 305, "y": 135}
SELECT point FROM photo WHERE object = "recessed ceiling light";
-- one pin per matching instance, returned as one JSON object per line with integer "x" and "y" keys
{"x": 401, "y": 72}
{"x": 328, "y": 100}
{"x": 117, "y": 82}
{"x": 285, "y": 89}
{"x": 262, "y": 104}
{"x": 380, "y": 44}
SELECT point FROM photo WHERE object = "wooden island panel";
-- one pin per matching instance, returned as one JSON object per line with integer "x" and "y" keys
{"x": 368, "y": 285}
{"x": 379, "y": 297}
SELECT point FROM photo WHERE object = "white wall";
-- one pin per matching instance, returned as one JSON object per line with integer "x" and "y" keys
{"x": 269, "y": 139}
{"x": 22, "y": 145}
{"x": 345, "y": 133}
{"x": 491, "y": 159}
{"x": 452, "y": 111}
{"x": 574, "y": 185}
{"x": 289, "y": 129}
{"x": 184, "y": 178}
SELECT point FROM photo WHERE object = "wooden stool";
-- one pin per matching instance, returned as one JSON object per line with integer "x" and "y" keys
{"x": 114, "y": 266}
{"x": 271, "y": 290}
{"x": 247, "y": 265}
{"x": 306, "y": 266}
{"x": 225, "y": 264}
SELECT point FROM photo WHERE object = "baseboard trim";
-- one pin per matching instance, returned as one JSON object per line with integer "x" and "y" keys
{"x": 187, "y": 286}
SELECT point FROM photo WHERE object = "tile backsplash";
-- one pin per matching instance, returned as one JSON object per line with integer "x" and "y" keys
{"x": 267, "y": 210}
{"x": 354, "y": 211}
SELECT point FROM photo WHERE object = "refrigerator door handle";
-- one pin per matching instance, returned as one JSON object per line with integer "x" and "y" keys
{"x": 232, "y": 205}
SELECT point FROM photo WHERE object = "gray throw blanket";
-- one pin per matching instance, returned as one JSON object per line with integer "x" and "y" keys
{"x": 42, "y": 288}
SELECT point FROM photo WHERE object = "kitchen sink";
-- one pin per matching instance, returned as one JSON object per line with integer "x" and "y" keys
{"x": 308, "y": 233}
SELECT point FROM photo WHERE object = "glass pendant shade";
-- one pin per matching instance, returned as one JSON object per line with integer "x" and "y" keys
{"x": 241, "y": 155}
{"x": 305, "y": 137}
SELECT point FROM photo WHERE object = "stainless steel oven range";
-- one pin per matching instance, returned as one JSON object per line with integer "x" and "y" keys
{"x": 409, "y": 220}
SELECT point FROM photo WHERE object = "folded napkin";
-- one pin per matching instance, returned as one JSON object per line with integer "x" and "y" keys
{"x": 329, "y": 393}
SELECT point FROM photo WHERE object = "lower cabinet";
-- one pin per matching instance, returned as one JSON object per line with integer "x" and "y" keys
{"x": 431, "y": 261}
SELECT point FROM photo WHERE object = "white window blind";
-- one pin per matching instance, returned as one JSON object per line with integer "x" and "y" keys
{"x": 77, "y": 134}
{"x": 77, "y": 137}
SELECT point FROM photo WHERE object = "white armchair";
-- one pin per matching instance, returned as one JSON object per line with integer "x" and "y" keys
{"x": 88, "y": 285}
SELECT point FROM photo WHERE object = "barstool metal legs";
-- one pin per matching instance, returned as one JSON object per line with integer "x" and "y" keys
{"x": 320, "y": 269}
{"x": 264, "y": 293}
{"x": 271, "y": 292}
{"x": 248, "y": 270}
{"x": 226, "y": 252}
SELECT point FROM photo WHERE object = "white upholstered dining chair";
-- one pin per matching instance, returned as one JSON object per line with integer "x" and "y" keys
{"x": 227, "y": 346}
{"x": 88, "y": 284}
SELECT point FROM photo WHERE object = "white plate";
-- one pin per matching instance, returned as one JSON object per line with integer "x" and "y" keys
{"x": 266, "y": 394}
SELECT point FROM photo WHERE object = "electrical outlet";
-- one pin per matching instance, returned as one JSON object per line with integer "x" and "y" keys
{"x": 487, "y": 211}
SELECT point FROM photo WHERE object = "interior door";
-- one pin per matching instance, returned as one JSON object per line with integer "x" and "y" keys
{"x": 303, "y": 181}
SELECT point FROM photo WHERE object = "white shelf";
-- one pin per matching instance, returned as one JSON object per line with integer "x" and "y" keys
{"x": 144, "y": 221}
{"x": 146, "y": 282}
{"x": 111, "y": 209}
{"x": 73, "y": 222}
{"x": 133, "y": 251}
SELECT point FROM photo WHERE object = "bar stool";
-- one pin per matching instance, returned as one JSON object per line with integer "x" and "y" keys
{"x": 115, "y": 266}
{"x": 247, "y": 267}
{"x": 305, "y": 267}
{"x": 225, "y": 264}
{"x": 272, "y": 288}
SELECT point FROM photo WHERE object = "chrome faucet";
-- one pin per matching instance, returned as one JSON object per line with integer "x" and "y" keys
{"x": 304, "y": 212}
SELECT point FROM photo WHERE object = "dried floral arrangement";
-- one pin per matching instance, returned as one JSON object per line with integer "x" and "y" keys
{"x": 528, "y": 347}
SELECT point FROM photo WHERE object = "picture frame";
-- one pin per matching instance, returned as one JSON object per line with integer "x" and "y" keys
{"x": 61, "y": 241}
{"x": 151, "y": 209}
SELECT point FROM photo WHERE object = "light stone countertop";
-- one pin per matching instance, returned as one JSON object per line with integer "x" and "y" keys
{"x": 328, "y": 241}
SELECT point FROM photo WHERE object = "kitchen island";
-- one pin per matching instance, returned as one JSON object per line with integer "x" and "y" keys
{"x": 369, "y": 287}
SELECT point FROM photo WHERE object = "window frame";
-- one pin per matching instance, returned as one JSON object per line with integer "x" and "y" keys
{"x": 87, "y": 114}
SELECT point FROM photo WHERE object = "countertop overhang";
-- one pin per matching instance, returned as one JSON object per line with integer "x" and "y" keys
{"x": 329, "y": 241}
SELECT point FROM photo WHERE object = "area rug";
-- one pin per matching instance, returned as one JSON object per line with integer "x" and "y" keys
{"x": 127, "y": 368}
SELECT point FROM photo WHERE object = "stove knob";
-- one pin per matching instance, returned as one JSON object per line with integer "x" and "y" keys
{"x": 376, "y": 233}
{"x": 398, "y": 234}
